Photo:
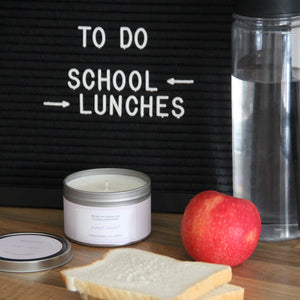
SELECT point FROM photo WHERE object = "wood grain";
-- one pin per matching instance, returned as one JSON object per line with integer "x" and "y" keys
{"x": 272, "y": 272}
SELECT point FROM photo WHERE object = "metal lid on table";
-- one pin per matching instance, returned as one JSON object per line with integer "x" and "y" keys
{"x": 32, "y": 252}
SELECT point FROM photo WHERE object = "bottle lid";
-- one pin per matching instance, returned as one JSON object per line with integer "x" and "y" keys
{"x": 267, "y": 8}
{"x": 32, "y": 252}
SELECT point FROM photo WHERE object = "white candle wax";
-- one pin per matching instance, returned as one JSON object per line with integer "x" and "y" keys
{"x": 107, "y": 183}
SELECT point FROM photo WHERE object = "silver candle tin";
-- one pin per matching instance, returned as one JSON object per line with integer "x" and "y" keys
{"x": 98, "y": 216}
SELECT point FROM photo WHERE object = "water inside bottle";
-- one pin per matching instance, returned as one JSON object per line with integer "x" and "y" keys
{"x": 266, "y": 149}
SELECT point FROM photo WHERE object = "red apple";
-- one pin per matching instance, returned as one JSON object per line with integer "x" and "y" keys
{"x": 220, "y": 229}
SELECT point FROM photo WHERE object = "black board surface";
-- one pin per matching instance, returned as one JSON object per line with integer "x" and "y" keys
{"x": 143, "y": 85}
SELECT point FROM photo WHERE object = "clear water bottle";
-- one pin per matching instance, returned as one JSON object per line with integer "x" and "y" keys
{"x": 266, "y": 112}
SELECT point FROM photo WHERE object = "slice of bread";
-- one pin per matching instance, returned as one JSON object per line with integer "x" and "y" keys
{"x": 131, "y": 274}
{"x": 225, "y": 292}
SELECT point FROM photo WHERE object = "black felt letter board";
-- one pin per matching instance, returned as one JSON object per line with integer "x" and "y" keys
{"x": 143, "y": 85}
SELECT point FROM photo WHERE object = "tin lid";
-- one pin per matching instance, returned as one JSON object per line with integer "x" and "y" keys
{"x": 137, "y": 187}
{"x": 32, "y": 252}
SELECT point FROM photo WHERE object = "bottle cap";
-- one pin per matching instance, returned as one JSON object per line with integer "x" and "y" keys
{"x": 267, "y": 8}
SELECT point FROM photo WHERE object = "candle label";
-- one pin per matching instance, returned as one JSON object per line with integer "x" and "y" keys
{"x": 118, "y": 225}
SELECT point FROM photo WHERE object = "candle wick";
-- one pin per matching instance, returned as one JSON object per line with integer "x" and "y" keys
{"x": 106, "y": 186}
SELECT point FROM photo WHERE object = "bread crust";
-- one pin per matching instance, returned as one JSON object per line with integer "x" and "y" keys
{"x": 232, "y": 295}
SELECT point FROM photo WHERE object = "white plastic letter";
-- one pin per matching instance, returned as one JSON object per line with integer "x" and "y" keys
{"x": 103, "y": 37}
{"x": 144, "y": 38}
{"x": 121, "y": 74}
{"x": 175, "y": 104}
{"x": 127, "y": 106}
{"x": 147, "y": 86}
{"x": 124, "y": 45}
{"x": 138, "y": 76}
{"x": 143, "y": 106}
{"x": 81, "y": 106}
{"x": 160, "y": 105}
{"x": 96, "y": 105}
{"x": 103, "y": 79}
{"x": 91, "y": 73}
{"x": 84, "y": 34}
{"x": 72, "y": 72}
{"x": 113, "y": 104}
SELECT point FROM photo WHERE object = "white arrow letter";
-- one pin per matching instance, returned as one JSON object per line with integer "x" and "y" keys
{"x": 173, "y": 81}
{"x": 63, "y": 103}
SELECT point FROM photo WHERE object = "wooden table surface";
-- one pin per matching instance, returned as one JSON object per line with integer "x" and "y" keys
{"x": 272, "y": 272}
